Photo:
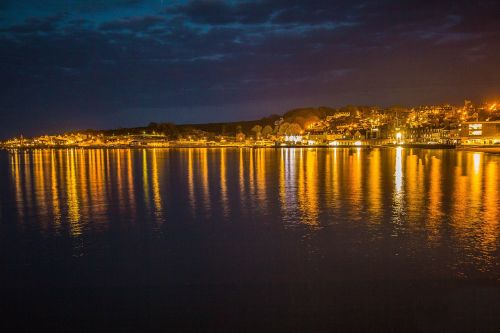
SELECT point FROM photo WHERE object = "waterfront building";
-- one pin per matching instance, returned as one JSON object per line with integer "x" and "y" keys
{"x": 428, "y": 134}
{"x": 480, "y": 133}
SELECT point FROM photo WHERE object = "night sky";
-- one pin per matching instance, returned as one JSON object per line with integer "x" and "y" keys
{"x": 71, "y": 64}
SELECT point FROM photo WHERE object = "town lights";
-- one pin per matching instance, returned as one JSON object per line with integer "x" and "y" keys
{"x": 293, "y": 138}
{"x": 357, "y": 143}
{"x": 399, "y": 138}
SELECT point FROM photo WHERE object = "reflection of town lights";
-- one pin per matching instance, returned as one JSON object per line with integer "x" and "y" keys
{"x": 477, "y": 162}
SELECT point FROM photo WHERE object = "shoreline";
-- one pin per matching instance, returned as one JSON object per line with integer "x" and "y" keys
{"x": 482, "y": 149}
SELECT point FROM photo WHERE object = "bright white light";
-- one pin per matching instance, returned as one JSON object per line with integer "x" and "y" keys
{"x": 333, "y": 143}
{"x": 477, "y": 162}
{"x": 293, "y": 138}
{"x": 357, "y": 143}
{"x": 398, "y": 135}
{"x": 398, "y": 174}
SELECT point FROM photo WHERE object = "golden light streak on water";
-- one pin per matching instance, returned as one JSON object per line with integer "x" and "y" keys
{"x": 104, "y": 178}
{"x": 95, "y": 190}
{"x": 108, "y": 169}
{"x": 261, "y": 186}
{"x": 98, "y": 179}
{"x": 205, "y": 180}
{"x": 312, "y": 178}
{"x": 459, "y": 199}
{"x": 414, "y": 177}
{"x": 223, "y": 182}
{"x": 39, "y": 180}
{"x": 73, "y": 202}
{"x": 328, "y": 180}
{"x": 99, "y": 171}
{"x": 434, "y": 207}
{"x": 119, "y": 177}
{"x": 475, "y": 230}
{"x": 398, "y": 204}
{"x": 241, "y": 173}
{"x": 56, "y": 208}
{"x": 475, "y": 186}
{"x": 251, "y": 169}
{"x": 477, "y": 162}
{"x": 157, "y": 200}
{"x": 93, "y": 187}
{"x": 83, "y": 174}
{"x": 281, "y": 183}
{"x": 191, "y": 189}
{"x": 491, "y": 202}
{"x": 301, "y": 185}
{"x": 145, "y": 178}
{"x": 373, "y": 191}
{"x": 336, "y": 180}
{"x": 398, "y": 173}
{"x": 491, "y": 193}
{"x": 355, "y": 191}
{"x": 130, "y": 184}
{"x": 28, "y": 186}
{"x": 16, "y": 173}
{"x": 287, "y": 189}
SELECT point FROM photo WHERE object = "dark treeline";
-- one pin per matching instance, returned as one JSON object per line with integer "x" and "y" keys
{"x": 299, "y": 118}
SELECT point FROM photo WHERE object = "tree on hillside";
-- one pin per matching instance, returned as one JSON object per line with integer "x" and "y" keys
{"x": 282, "y": 129}
{"x": 266, "y": 131}
{"x": 294, "y": 129}
{"x": 257, "y": 129}
{"x": 168, "y": 129}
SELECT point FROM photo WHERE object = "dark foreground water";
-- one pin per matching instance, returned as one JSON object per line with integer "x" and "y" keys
{"x": 250, "y": 240}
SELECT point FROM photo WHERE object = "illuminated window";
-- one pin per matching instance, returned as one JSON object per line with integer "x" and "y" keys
{"x": 476, "y": 129}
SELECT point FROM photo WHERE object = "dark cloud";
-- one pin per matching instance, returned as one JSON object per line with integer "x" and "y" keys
{"x": 133, "y": 23}
{"x": 36, "y": 24}
{"x": 262, "y": 11}
{"x": 222, "y": 12}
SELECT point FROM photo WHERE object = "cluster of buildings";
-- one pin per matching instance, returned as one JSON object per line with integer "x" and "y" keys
{"x": 88, "y": 140}
{"x": 145, "y": 140}
{"x": 425, "y": 125}
{"x": 349, "y": 126}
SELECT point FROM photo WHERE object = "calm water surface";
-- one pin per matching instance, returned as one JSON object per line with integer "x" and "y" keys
{"x": 266, "y": 238}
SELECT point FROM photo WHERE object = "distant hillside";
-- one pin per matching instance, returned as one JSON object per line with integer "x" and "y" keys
{"x": 304, "y": 116}
{"x": 300, "y": 116}
{"x": 230, "y": 128}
